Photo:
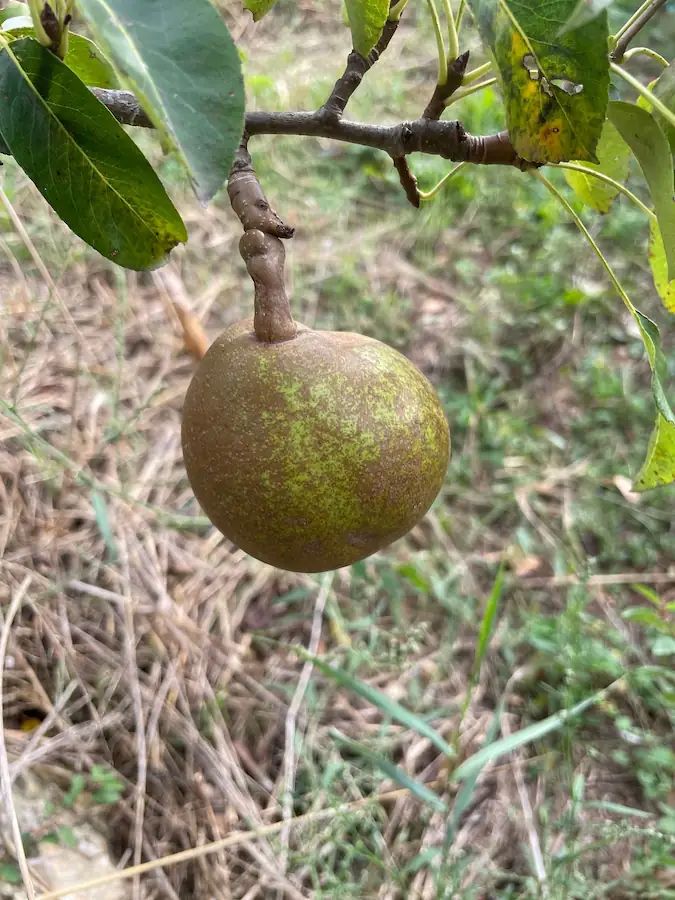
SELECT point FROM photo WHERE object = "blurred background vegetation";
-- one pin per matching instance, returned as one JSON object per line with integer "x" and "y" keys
{"x": 155, "y": 624}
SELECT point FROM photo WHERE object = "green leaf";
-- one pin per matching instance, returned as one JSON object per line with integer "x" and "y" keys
{"x": 82, "y": 161}
{"x": 103, "y": 522}
{"x": 367, "y": 18}
{"x": 77, "y": 785}
{"x": 526, "y": 735}
{"x": 648, "y": 593}
{"x": 643, "y": 615}
{"x": 487, "y": 622}
{"x": 10, "y": 873}
{"x": 83, "y": 57}
{"x": 67, "y": 836}
{"x": 555, "y": 86}
{"x": 396, "y": 773}
{"x": 659, "y": 267}
{"x": 651, "y": 338}
{"x": 646, "y": 139}
{"x": 585, "y": 11}
{"x": 389, "y": 707}
{"x": 659, "y": 466}
{"x": 468, "y": 786}
{"x": 613, "y": 155}
{"x": 89, "y": 63}
{"x": 183, "y": 65}
{"x": 664, "y": 89}
{"x": 664, "y": 646}
{"x": 259, "y": 8}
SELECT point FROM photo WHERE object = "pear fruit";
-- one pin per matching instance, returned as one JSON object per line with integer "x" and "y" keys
{"x": 314, "y": 452}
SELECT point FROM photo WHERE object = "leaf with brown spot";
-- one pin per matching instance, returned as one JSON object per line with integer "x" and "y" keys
{"x": 555, "y": 84}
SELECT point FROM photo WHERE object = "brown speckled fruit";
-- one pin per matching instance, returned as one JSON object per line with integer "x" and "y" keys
{"x": 315, "y": 452}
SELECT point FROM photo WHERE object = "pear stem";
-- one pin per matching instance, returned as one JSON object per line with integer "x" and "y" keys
{"x": 262, "y": 251}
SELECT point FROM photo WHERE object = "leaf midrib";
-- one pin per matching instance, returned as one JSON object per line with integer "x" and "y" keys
{"x": 74, "y": 143}
{"x": 157, "y": 102}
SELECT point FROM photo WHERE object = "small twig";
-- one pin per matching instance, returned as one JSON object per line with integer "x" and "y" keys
{"x": 356, "y": 68}
{"x": 5, "y": 776}
{"x": 427, "y": 195}
{"x": 292, "y": 715}
{"x": 262, "y": 250}
{"x": 443, "y": 92}
{"x": 408, "y": 180}
{"x": 139, "y": 717}
{"x": 528, "y": 818}
{"x": 636, "y": 26}
{"x": 440, "y": 42}
{"x": 598, "y": 580}
{"x": 648, "y": 52}
{"x": 468, "y": 90}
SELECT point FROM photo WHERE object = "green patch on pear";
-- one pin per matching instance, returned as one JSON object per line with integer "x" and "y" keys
{"x": 313, "y": 453}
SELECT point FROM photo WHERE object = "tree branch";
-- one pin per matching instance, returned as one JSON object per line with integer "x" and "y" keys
{"x": 356, "y": 68}
{"x": 636, "y": 28}
{"x": 447, "y": 138}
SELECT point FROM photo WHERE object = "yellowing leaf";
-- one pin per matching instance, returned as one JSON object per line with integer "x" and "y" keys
{"x": 555, "y": 83}
{"x": 367, "y": 18}
{"x": 657, "y": 261}
{"x": 659, "y": 466}
{"x": 613, "y": 154}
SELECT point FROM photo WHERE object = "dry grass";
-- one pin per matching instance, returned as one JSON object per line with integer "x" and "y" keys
{"x": 147, "y": 643}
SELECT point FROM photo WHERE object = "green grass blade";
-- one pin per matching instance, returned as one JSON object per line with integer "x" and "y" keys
{"x": 487, "y": 624}
{"x": 103, "y": 522}
{"x": 618, "y": 808}
{"x": 396, "y": 773}
{"x": 389, "y": 707}
{"x": 527, "y": 735}
{"x": 466, "y": 791}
